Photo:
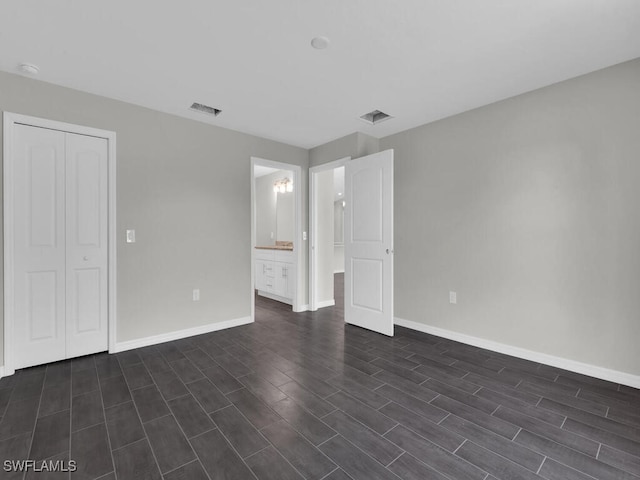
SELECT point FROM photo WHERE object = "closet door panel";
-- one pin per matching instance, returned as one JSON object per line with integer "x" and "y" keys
{"x": 86, "y": 245}
{"x": 38, "y": 165}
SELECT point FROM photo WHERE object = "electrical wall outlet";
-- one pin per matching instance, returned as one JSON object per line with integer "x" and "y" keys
{"x": 304, "y": 235}
{"x": 196, "y": 294}
{"x": 131, "y": 236}
{"x": 453, "y": 297}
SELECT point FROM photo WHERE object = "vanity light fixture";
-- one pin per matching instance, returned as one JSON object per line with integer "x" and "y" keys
{"x": 284, "y": 185}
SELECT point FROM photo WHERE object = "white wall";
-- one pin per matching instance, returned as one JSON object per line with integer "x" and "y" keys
{"x": 324, "y": 236}
{"x": 338, "y": 235}
{"x": 528, "y": 208}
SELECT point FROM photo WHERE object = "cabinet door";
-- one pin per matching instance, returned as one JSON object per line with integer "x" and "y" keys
{"x": 260, "y": 274}
{"x": 280, "y": 286}
{"x": 291, "y": 281}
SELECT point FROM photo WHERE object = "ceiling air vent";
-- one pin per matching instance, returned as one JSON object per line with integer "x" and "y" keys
{"x": 199, "y": 107}
{"x": 375, "y": 117}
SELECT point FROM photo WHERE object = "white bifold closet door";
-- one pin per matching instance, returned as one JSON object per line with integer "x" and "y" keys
{"x": 60, "y": 245}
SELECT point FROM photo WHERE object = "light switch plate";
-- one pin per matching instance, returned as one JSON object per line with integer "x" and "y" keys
{"x": 453, "y": 297}
{"x": 131, "y": 236}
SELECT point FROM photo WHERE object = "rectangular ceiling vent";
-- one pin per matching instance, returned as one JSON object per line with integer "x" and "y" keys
{"x": 375, "y": 117}
{"x": 199, "y": 107}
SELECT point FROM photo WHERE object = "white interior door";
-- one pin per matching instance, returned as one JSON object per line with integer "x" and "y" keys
{"x": 60, "y": 245}
{"x": 86, "y": 244}
{"x": 39, "y": 245}
{"x": 368, "y": 231}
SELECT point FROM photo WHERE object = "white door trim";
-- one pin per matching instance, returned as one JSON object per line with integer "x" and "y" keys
{"x": 298, "y": 242}
{"x": 313, "y": 228}
{"x": 10, "y": 120}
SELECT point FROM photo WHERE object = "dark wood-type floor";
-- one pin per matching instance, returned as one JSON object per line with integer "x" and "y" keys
{"x": 297, "y": 396}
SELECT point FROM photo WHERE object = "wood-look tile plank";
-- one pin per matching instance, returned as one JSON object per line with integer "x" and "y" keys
{"x": 408, "y": 467}
{"x": 268, "y": 464}
{"x": 135, "y": 461}
{"x": 308, "y": 400}
{"x": 149, "y": 403}
{"x": 559, "y": 435}
{"x": 307, "y": 459}
{"x": 436, "y": 457}
{"x": 209, "y": 397}
{"x": 218, "y": 458}
{"x": 423, "y": 427}
{"x": 354, "y": 461}
{"x": 496, "y": 443}
{"x": 192, "y": 418}
{"x": 91, "y": 452}
{"x": 494, "y": 463}
{"x": 570, "y": 457}
{"x": 51, "y": 436}
{"x": 123, "y": 424}
{"x": 364, "y": 438}
{"x": 236, "y": 428}
{"x": 168, "y": 443}
{"x": 373, "y": 419}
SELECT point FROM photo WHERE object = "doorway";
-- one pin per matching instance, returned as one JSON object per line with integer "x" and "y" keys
{"x": 367, "y": 235}
{"x": 59, "y": 241}
{"x": 327, "y": 204}
{"x": 276, "y": 233}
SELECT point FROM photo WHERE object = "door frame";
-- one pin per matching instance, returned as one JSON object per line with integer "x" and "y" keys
{"x": 313, "y": 227}
{"x": 10, "y": 120}
{"x": 298, "y": 241}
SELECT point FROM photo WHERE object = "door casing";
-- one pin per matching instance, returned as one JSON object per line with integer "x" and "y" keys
{"x": 10, "y": 120}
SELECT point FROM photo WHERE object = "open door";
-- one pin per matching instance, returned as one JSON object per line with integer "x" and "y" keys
{"x": 368, "y": 242}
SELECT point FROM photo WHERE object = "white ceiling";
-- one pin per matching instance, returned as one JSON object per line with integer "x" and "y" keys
{"x": 417, "y": 60}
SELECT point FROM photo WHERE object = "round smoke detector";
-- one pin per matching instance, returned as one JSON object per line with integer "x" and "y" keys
{"x": 28, "y": 68}
{"x": 320, "y": 43}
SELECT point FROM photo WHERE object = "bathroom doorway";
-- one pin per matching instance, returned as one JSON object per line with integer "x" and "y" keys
{"x": 276, "y": 236}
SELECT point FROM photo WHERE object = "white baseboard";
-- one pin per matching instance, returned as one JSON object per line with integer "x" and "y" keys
{"x": 614, "y": 376}
{"x": 177, "y": 335}
{"x": 2, "y": 371}
{"x": 326, "y": 303}
{"x": 277, "y": 298}
{"x": 303, "y": 308}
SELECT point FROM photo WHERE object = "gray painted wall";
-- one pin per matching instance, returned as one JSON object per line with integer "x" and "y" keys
{"x": 185, "y": 187}
{"x": 324, "y": 245}
{"x": 355, "y": 145}
{"x": 528, "y": 208}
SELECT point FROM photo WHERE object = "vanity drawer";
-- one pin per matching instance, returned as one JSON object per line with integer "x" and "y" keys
{"x": 263, "y": 254}
{"x": 285, "y": 256}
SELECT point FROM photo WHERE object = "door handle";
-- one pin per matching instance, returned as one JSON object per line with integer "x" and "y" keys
{"x": 389, "y": 251}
